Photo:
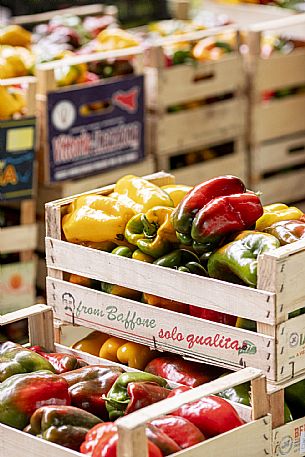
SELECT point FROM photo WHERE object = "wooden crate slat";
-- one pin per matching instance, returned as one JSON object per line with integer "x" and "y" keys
{"x": 288, "y": 187}
{"x": 274, "y": 119}
{"x": 18, "y": 238}
{"x": 164, "y": 88}
{"x": 219, "y": 296}
{"x": 192, "y": 128}
{"x": 280, "y": 70}
{"x": 279, "y": 154}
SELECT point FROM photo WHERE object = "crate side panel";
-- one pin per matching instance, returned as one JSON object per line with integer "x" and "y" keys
{"x": 285, "y": 188}
{"x": 160, "y": 281}
{"x": 18, "y": 238}
{"x": 286, "y": 439}
{"x": 161, "y": 329}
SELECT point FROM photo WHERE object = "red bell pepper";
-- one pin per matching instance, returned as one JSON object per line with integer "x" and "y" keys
{"x": 107, "y": 446}
{"x": 144, "y": 394}
{"x": 212, "y": 415}
{"x": 61, "y": 362}
{"x": 179, "y": 429}
{"x": 164, "y": 442}
{"x": 214, "y": 316}
{"x": 181, "y": 371}
{"x": 94, "y": 435}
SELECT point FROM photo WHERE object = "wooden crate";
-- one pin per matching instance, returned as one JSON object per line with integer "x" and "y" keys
{"x": 17, "y": 280}
{"x": 166, "y": 87}
{"x": 64, "y": 126}
{"x": 86, "y": 10}
{"x": 280, "y": 291}
{"x": 41, "y": 332}
{"x": 277, "y": 127}
{"x": 232, "y": 163}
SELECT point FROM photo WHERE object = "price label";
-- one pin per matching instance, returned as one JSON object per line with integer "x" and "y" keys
{"x": 302, "y": 443}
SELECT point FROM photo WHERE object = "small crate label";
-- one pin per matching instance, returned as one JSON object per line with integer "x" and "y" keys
{"x": 17, "y": 154}
{"x": 302, "y": 443}
{"x": 17, "y": 286}
{"x": 95, "y": 128}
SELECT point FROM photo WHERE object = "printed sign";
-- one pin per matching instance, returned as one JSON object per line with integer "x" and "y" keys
{"x": 17, "y": 286}
{"x": 95, "y": 128}
{"x": 17, "y": 154}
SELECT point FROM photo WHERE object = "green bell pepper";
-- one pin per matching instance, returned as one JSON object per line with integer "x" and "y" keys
{"x": 182, "y": 260}
{"x": 118, "y": 398}
{"x": 237, "y": 261}
{"x": 295, "y": 398}
{"x": 152, "y": 232}
{"x": 22, "y": 394}
{"x": 16, "y": 359}
{"x": 64, "y": 425}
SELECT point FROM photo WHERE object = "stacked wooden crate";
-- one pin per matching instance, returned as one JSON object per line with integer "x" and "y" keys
{"x": 277, "y": 124}
{"x": 18, "y": 238}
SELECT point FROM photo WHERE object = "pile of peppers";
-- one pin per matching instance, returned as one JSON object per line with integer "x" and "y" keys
{"x": 216, "y": 229}
{"x": 60, "y": 398}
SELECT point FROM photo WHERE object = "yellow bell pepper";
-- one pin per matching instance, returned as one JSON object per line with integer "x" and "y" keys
{"x": 135, "y": 355}
{"x": 111, "y": 39}
{"x": 91, "y": 343}
{"x": 140, "y": 194}
{"x": 139, "y": 255}
{"x": 12, "y": 102}
{"x": 15, "y": 35}
{"x": 275, "y": 213}
{"x": 96, "y": 218}
{"x": 110, "y": 347}
{"x": 80, "y": 280}
{"x": 176, "y": 192}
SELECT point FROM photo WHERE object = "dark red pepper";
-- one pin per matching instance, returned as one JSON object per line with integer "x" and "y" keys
{"x": 181, "y": 371}
{"x": 200, "y": 196}
{"x": 225, "y": 215}
{"x": 214, "y": 316}
{"x": 179, "y": 429}
{"x": 212, "y": 415}
{"x": 164, "y": 442}
{"x": 88, "y": 385}
{"x": 61, "y": 362}
{"x": 144, "y": 394}
{"x": 94, "y": 435}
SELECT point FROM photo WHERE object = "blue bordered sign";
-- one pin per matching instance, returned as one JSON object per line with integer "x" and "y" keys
{"x": 17, "y": 156}
{"x": 95, "y": 128}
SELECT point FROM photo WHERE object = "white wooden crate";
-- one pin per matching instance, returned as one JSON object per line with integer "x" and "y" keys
{"x": 41, "y": 332}
{"x": 280, "y": 291}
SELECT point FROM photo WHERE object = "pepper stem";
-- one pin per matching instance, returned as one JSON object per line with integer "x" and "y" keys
{"x": 149, "y": 228}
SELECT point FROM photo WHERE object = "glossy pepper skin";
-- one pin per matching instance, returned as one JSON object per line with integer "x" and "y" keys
{"x": 225, "y": 215}
{"x": 237, "y": 261}
{"x": 15, "y": 359}
{"x": 133, "y": 355}
{"x": 165, "y": 443}
{"x": 22, "y": 394}
{"x": 60, "y": 361}
{"x": 96, "y": 218}
{"x": 91, "y": 343}
{"x": 179, "y": 429}
{"x": 212, "y": 415}
{"x": 200, "y": 196}
{"x": 121, "y": 291}
{"x": 118, "y": 398}
{"x": 64, "y": 425}
{"x": 214, "y": 316}
{"x": 140, "y": 194}
{"x": 182, "y": 371}
{"x": 275, "y": 213}
{"x": 152, "y": 232}
{"x": 241, "y": 394}
{"x": 88, "y": 385}
{"x": 94, "y": 435}
{"x": 176, "y": 192}
{"x": 287, "y": 232}
{"x": 182, "y": 260}
{"x": 107, "y": 446}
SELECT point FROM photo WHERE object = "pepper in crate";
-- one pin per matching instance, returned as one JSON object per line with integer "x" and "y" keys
{"x": 287, "y": 232}
{"x": 60, "y": 361}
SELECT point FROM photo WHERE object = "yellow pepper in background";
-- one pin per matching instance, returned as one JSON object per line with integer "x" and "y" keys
{"x": 275, "y": 213}
{"x": 96, "y": 218}
{"x": 140, "y": 194}
{"x": 67, "y": 75}
{"x": 12, "y": 102}
{"x": 15, "y": 35}
{"x": 91, "y": 343}
{"x": 139, "y": 255}
{"x": 111, "y": 39}
{"x": 110, "y": 347}
{"x": 135, "y": 355}
{"x": 176, "y": 192}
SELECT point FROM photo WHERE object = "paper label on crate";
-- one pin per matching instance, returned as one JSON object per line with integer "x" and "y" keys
{"x": 17, "y": 155}
{"x": 95, "y": 127}
{"x": 302, "y": 443}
